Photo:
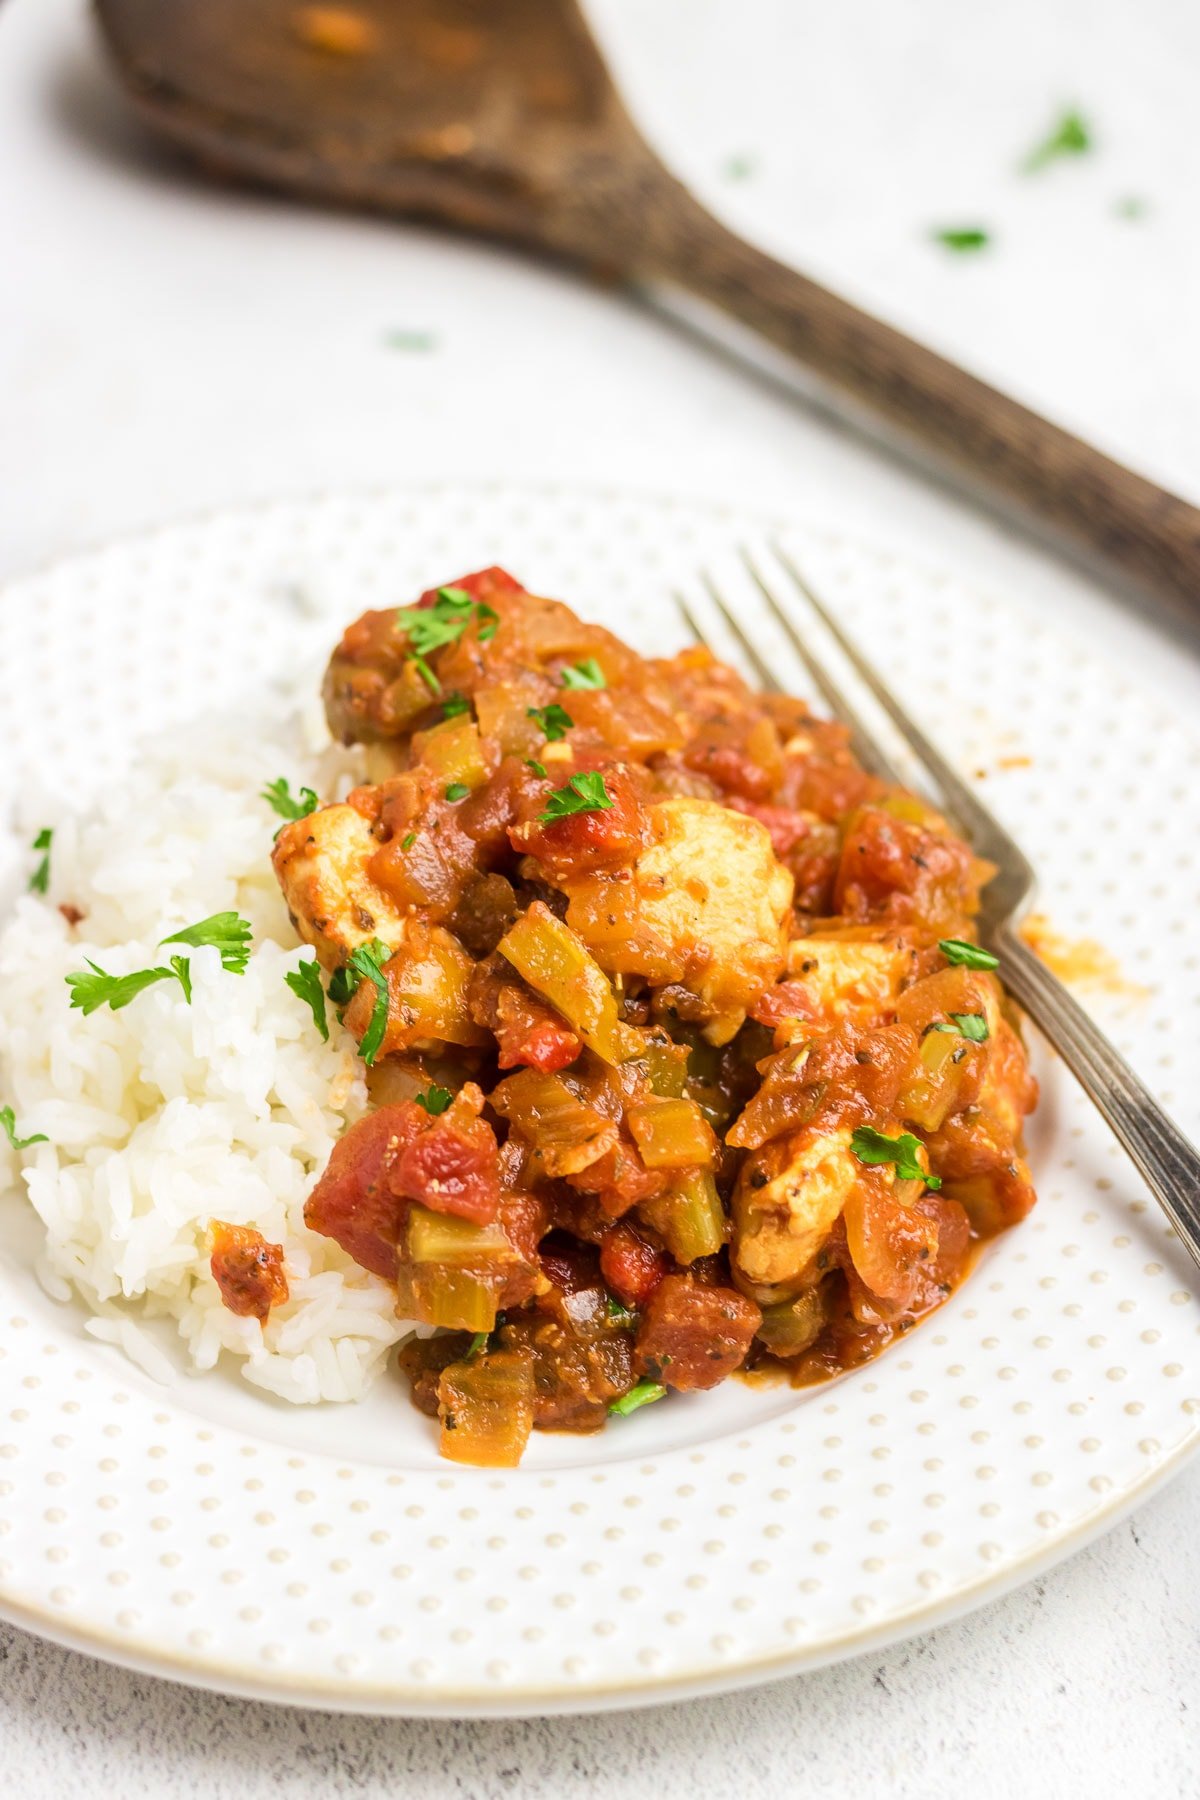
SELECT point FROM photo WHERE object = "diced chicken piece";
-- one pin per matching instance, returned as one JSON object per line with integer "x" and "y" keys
{"x": 321, "y": 864}
{"x": 850, "y": 978}
{"x": 706, "y": 903}
{"x": 787, "y": 1200}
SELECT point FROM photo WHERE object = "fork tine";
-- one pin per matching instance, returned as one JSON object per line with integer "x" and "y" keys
{"x": 959, "y": 800}
{"x": 753, "y": 656}
{"x": 689, "y": 618}
{"x": 863, "y": 743}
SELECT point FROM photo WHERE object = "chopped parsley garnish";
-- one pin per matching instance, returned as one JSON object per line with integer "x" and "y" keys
{"x": 366, "y": 964}
{"x": 278, "y": 794}
{"x": 583, "y": 793}
{"x": 553, "y": 721}
{"x": 586, "y": 674}
{"x": 89, "y": 992}
{"x": 477, "y": 1346}
{"x": 435, "y": 1099}
{"x": 968, "y": 1025}
{"x": 408, "y": 840}
{"x": 642, "y": 1393}
{"x": 39, "y": 881}
{"x": 9, "y": 1123}
{"x": 430, "y": 628}
{"x": 454, "y": 705}
{"x": 458, "y": 790}
{"x": 617, "y": 1314}
{"x": 305, "y": 983}
{"x": 226, "y": 932}
{"x": 1070, "y": 137}
{"x": 871, "y": 1146}
{"x": 967, "y": 956}
{"x": 343, "y": 983}
{"x": 962, "y": 237}
{"x": 531, "y": 762}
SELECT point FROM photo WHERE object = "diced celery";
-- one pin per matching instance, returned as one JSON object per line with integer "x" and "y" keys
{"x": 793, "y": 1325}
{"x": 451, "y": 1271}
{"x": 453, "y": 750}
{"x": 567, "y": 1135}
{"x": 557, "y": 963}
{"x": 457, "y": 1299}
{"x": 667, "y": 1067}
{"x": 486, "y": 1408}
{"x": 672, "y": 1134}
{"x": 437, "y": 1237}
{"x": 690, "y": 1218}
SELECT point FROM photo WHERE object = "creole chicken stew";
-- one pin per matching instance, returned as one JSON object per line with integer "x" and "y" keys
{"x": 681, "y": 1057}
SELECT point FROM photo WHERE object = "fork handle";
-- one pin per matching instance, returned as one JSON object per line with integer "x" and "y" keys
{"x": 1167, "y": 1161}
{"x": 984, "y": 440}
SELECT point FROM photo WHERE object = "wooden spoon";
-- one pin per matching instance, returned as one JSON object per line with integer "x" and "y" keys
{"x": 500, "y": 116}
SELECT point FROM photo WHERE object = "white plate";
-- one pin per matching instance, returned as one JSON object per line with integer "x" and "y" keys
{"x": 205, "y": 1532}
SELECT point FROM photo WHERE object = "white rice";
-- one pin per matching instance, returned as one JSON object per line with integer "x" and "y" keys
{"x": 164, "y": 1116}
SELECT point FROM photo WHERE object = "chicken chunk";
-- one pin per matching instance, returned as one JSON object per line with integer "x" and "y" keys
{"x": 849, "y": 977}
{"x": 705, "y": 903}
{"x": 321, "y": 864}
{"x": 788, "y": 1197}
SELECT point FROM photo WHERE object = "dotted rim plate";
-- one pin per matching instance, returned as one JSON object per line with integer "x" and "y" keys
{"x": 205, "y": 1533}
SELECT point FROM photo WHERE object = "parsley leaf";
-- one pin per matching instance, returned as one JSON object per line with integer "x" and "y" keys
{"x": 454, "y": 705}
{"x": 616, "y": 1313}
{"x": 458, "y": 790}
{"x": 435, "y": 1099}
{"x": 1070, "y": 137}
{"x": 278, "y": 794}
{"x": 553, "y": 721}
{"x": 226, "y": 932}
{"x": 477, "y": 1346}
{"x": 531, "y": 762}
{"x": 9, "y": 1122}
{"x": 871, "y": 1146}
{"x": 430, "y": 628}
{"x": 181, "y": 968}
{"x": 408, "y": 840}
{"x": 89, "y": 992}
{"x": 640, "y": 1394}
{"x": 583, "y": 793}
{"x": 968, "y": 1025}
{"x": 587, "y": 674}
{"x": 305, "y": 983}
{"x": 39, "y": 881}
{"x": 962, "y": 237}
{"x": 967, "y": 956}
{"x": 366, "y": 964}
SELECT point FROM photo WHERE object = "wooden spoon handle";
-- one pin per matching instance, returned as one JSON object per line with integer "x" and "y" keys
{"x": 1103, "y": 509}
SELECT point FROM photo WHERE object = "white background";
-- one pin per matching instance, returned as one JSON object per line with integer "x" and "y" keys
{"x": 167, "y": 346}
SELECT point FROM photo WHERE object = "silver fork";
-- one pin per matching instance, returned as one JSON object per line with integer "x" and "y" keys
{"x": 1169, "y": 1164}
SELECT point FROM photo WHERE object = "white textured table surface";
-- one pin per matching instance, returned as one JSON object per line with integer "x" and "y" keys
{"x": 165, "y": 347}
